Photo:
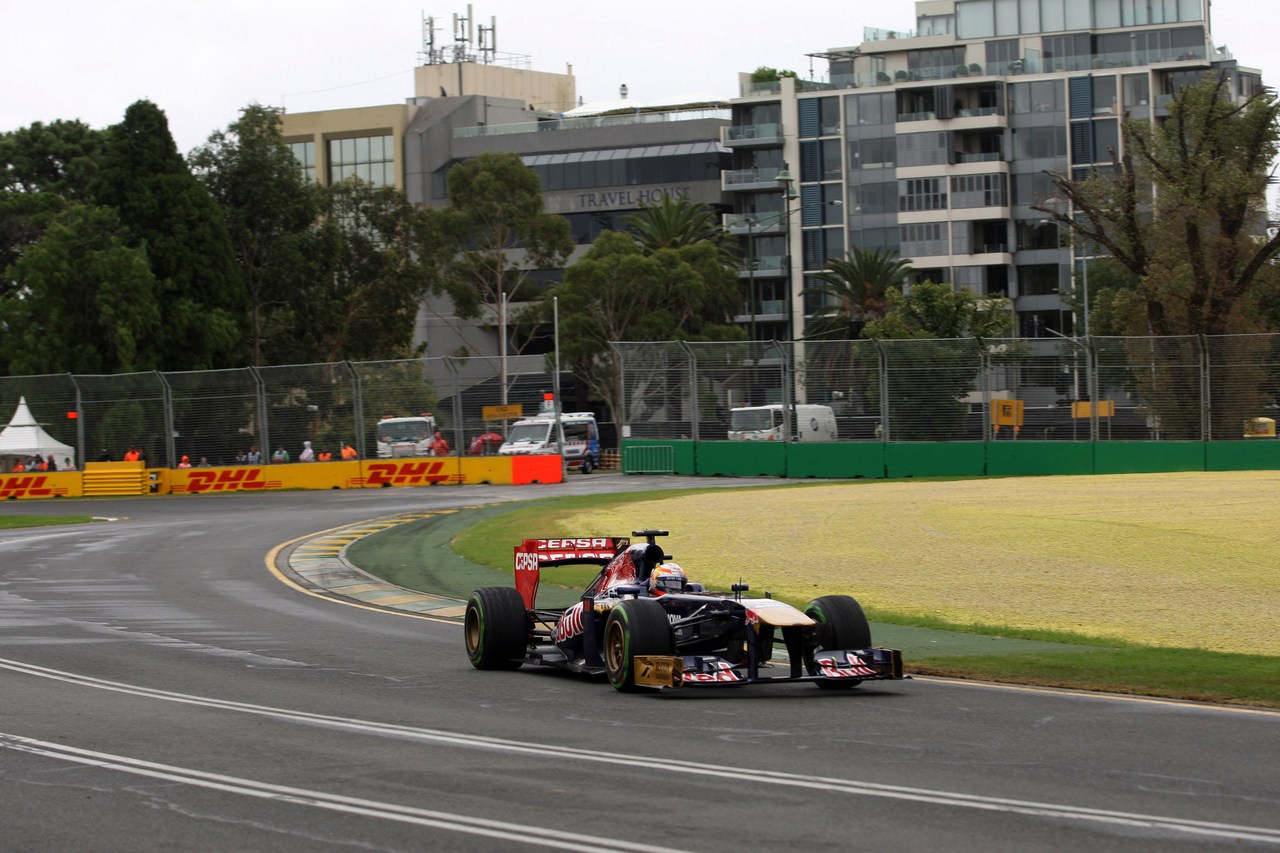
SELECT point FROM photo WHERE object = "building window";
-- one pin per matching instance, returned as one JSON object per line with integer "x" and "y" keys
{"x": 369, "y": 158}
{"x": 978, "y": 191}
{"x": 1038, "y": 279}
{"x": 924, "y": 239}
{"x": 1043, "y": 96}
{"x": 873, "y": 153}
{"x": 1031, "y": 142}
{"x": 923, "y": 149}
{"x": 922, "y": 194}
{"x": 1033, "y": 188}
{"x": 305, "y": 154}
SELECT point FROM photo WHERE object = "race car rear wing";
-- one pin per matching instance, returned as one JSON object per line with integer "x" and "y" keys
{"x": 532, "y": 555}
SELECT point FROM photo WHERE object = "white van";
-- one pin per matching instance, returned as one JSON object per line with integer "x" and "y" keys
{"x": 764, "y": 423}
{"x": 536, "y": 436}
{"x": 400, "y": 437}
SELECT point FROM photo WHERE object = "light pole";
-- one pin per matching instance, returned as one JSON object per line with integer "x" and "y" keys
{"x": 785, "y": 180}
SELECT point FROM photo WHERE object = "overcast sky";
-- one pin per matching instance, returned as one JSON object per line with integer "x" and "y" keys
{"x": 202, "y": 61}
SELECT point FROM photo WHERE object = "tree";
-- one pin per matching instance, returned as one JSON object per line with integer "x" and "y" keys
{"x": 84, "y": 300}
{"x": 42, "y": 167}
{"x": 673, "y": 223}
{"x": 166, "y": 210}
{"x": 940, "y": 323}
{"x": 1182, "y": 213}
{"x": 767, "y": 74}
{"x": 940, "y": 311}
{"x": 856, "y": 290}
{"x": 270, "y": 213}
{"x": 618, "y": 291}
{"x": 495, "y": 207}
{"x": 1182, "y": 209}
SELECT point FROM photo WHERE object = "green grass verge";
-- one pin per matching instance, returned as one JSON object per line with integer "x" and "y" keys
{"x": 1100, "y": 664}
{"x": 12, "y": 521}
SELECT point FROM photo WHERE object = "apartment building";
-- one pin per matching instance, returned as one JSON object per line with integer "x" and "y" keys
{"x": 936, "y": 143}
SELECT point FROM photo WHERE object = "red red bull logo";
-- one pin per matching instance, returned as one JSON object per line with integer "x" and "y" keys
{"x": 29, "y": 486}
{"x": 227, "y": 480}
{"x": 408, "y": 473}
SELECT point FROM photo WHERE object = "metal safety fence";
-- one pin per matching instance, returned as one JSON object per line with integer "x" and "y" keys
{"x": 1191, "y": 388}
{"x": 224, "y": 417}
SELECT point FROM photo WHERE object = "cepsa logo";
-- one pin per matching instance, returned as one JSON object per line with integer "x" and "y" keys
{"x": 228, "y": 480}
{"x": 26, "y": 487}
{"x": 406, "y": 473}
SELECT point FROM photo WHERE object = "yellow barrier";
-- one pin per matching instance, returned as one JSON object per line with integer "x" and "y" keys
{"x": 66, "y": 484}
{"x": 131, "y": 478}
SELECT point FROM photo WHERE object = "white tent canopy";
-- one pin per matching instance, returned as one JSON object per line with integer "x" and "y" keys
{"x": 24, "y": 437}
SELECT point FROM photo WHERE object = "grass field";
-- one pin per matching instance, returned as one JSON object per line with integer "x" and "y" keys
{"x": 14, "y": 521}
{"x": 1172, "y": 577}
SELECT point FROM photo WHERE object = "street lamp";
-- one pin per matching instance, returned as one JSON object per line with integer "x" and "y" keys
{"x": 785, "y": 180}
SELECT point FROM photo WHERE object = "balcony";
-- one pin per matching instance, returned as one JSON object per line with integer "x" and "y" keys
{"x": 768, "y": 222}
{"x": 750, "y": 179}
{"x": 752, "y": 135}
{"x": 765, "y": 266}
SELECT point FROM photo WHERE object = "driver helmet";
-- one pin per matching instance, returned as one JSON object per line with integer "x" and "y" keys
{"x": 667, "y": 577}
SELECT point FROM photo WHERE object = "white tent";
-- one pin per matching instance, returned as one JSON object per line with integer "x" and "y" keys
{"x": 24, "y": 437}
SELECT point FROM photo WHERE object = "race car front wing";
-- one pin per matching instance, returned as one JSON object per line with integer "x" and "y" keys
{"x": 846, "y": 665}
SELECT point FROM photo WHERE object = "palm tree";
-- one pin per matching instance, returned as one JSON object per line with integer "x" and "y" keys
{"x": 671, "y": 224}
{"x": 856, "y": 291}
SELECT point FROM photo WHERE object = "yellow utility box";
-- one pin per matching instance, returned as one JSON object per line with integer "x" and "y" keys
{"x": 1260, "y": 428}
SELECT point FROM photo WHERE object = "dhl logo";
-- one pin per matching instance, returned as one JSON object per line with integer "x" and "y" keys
{"x": 228, "y": 480}
{"x": 27, "y": 487}
{"x": 407, "y": 474}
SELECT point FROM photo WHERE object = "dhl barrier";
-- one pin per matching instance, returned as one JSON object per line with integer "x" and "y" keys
{"x": 130, "y": 478}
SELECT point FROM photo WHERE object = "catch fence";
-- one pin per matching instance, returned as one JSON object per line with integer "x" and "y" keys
{"x": 217, "y": 417}
{"x": 1191, "y": 388}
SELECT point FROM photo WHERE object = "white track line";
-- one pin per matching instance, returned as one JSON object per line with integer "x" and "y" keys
{"x": 1204, "y": 829}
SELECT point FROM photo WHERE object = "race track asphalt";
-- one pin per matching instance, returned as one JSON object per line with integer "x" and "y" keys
{"x": 165, "y": 686}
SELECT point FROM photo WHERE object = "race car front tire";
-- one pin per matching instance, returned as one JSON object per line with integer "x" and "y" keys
{"x": 636, "y": 627}
{"x": 841, "y": 625}
{"x": 496, "y": 628}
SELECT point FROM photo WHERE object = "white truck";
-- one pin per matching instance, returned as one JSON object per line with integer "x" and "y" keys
{"x": 536, "y": 436}
{"x": 765, "y": 423}
{"x": 408, "y": 436}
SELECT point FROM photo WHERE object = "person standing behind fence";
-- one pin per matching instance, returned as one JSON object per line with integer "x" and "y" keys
{"x": 348, "y": 452}
{"x": 439, "y": 447}
{"x": 307, "y": 454}
{"x": 254, "y": 456}
{"x": 131, "y": 455}
{"x": 281, "y": 455}
{"x": 52, "y": 463}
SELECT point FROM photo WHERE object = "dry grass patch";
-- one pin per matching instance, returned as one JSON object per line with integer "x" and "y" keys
{"x": 1174, "y": 560}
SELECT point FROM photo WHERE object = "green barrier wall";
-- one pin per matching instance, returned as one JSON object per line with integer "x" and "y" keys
{"x": 1258, "y": 454}
{"x": 847, "y": 460}
{"x": 951, "y": 459}
{"x": 1148, "y": 457}
{"x": 685, "y": 453}
{"x": 742, "y": 459}
{"x": 870, "y": 459}
{"x": 1025, "y": 458}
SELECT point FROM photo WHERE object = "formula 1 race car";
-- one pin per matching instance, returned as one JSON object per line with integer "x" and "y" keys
{"x": 642, "y": 623}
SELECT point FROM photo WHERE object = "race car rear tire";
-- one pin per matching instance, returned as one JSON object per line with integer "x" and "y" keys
{"x": 637, "y": 626}
{"x": 496, "y": 628}
{"x": 841, "y": 625}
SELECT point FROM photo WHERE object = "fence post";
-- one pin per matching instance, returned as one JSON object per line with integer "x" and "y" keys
{"x": 166, "y": 398}
{"x": 786, "y": 376}
{"x": 883, "y": 358}
{"x": 80, "y": 457}
{"x": 455, "y": 372}
{"x": 984, "y": 386}
{"x": 357, "y": 403}
{"x": 1206, "y": 388}
{"x": 264, "y": 432}
{"x": 695, "y": 407}
{"x": 620, "y": 371}
{"x": 1091, "y": 387}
